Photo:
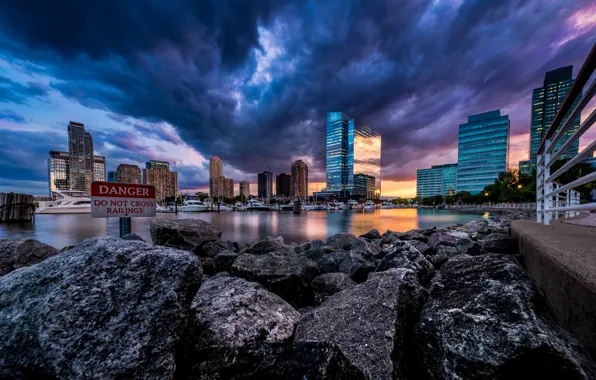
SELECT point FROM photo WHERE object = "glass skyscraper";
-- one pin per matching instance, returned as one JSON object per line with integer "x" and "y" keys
{"x": 546, "y": 102}
{"x": 351, "y": 149}
{"x": 483, "y": 150}
{"x": 438, "y": 180}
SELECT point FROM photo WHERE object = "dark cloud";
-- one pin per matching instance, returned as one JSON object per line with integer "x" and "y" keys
{"x": 413, "y": 70}
{"x": 12, "y": 116}
{"x": 14, "y": 92}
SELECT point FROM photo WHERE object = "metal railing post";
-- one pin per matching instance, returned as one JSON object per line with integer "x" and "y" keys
{"x": 539, "y": 190}
{"x": 548, "y": 185}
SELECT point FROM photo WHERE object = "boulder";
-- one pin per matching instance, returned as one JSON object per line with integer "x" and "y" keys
{"x": 212, "y": 248}
{"x": 460, "y": 240}
{"x": 222, "y": 262}
{"x": 500, "y": 243}
{"x": 441, "y": 255}
{"x": 357, "y": 263}
{"x": 478, "y": 226}
{"x": 18, "y": 253}
{"x": 268, "y": 244}
{"x": 372, "y": 234}
{"x": 369, "y": 323}
{"x": 392, "y": 236}
{"x": 484, "y": 319}
{"x": 284, "y": 272}
{"x": 423, "y": 248}
{"x": 327, "y": 284}
{"x": 344, "y": 240}
{"x": 133, "y": 236}
{"x": 207, "y": 265}
{"x": 407, "y": 256}
{"x": 302, "y": 247}
{"x": 107, "y": 308}
{"x": 186, "y": 234}
{"x": 234, "y": 325}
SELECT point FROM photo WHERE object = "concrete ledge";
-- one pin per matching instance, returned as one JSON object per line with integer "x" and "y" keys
{"x": 561, "y": 258}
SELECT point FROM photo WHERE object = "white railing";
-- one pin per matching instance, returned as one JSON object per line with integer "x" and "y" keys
{"x": 495, "y": 206}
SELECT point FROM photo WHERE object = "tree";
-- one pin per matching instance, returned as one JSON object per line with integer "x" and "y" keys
{"x": 575, "y": 172}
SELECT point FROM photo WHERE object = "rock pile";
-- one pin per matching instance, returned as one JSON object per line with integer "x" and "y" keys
{"x": 443, "y": 303}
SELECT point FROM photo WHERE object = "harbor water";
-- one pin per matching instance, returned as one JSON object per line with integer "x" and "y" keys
{"x": 241, "y": 226}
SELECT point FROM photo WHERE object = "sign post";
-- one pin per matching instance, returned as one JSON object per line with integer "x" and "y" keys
{"x": 122, "y": 200}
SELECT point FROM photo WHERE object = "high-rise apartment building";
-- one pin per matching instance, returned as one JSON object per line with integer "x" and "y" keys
{"x": 265, "y": 185}
{"x": 351, "y": 149}
{"x": 126, "y": 173}
{"x": 80, "y": 148}
{"x": 99, "y": 168}
{"x": 283, "y": 184}
{"x": 546, "y": 102}
{"x": 215, "y": 171}
{"x": 113, "y": 176}
{"x": 299, "y": 184}
{"x": 158, "y": 174}
{"x": 228, "y": 187}
{"x": 438, "y": 180}
{"x": 58, "y": 171}
{"x": 244, "y": 189}
{"x": 364, "y": 186}
{"x": 483, "y": 150}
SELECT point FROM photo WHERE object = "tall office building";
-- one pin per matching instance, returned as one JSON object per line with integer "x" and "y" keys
{"x": 526, "y": 167}
{"x": 80, "y": 148}
{"x": 228, "y": 187}
{"x": 244, "y": 189}
{"x": 265, "y": 185}
{"x": 350, "y": 149}
{"x": 99, "y": 168}
{"x": 283, "y": 184}
{"x": 158, "y": 174}
{"x": 364, "y": 186}
{"x": 113, "y": 176}
{"x": 128, "y": 174}
{"x": 58, "y": 171}
{"x": 483, "y": 150}
{"x": 299, "y": 184}
{"x": 438, "y": 180}
{"x": 546, "y": 102}
{"x": 215, "y": 171}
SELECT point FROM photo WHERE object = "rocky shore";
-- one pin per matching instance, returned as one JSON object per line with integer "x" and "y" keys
{"x": 439, "y": 303}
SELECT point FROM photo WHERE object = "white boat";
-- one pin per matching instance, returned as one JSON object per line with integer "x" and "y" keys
{"x": 338, "y": 206}
{"x": 66, "y": 202}
{"x": 370, "y": 205}
{"x": 239, "y": 207}
{"x": 354, "y": 205}
{"x": 283, "y": 207}
{"x": 159, "y": 208}
{"x": 194, "y": 205}
{"x": 254, "y": 205}
{"x": 386, "y": 205}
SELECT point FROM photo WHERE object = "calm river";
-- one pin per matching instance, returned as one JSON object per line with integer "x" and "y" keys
{"x": 242, "y": 226}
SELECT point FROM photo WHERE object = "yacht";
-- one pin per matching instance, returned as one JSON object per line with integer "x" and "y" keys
{"x": 354, "y": 205}
{"x": 284, "y": 207}
{"x": 254, "y": 205}
{"x": 338, "y": 206}
{"x": 370, "y": 205}
{"x": 66, "y": 202}
{"x": 387, "y": 204}
{"x": 194, "y": 205}
{"x": 239, "y": 207}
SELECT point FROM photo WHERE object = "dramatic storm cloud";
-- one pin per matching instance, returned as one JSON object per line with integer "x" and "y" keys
{"x": 251, "y": 81}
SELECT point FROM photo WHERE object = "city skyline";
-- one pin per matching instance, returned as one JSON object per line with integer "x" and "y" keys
{"x": 414, "y": 87}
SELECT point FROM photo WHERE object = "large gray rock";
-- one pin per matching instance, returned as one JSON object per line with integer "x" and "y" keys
{"x": 423, "y": 248}
{"x": 268, "y": 244}
{"x": 186, "y": 234}
{"x": 369, "y": 323}
{"x": 372, "y": 234}
{"x": 406, "y": 256}
{"x": 485, "y": 320}
{"x": 327, "y": 284}
{"x": 357, "y": 263}
{"x": 213, "y": 248}
{"x": 133, "y": 236}
{"x": 222, "y": 262}
{"x": 460, "y": 240}
{"x": 344, "y": 240}
{"x": 441, "y": 254}
{"x": 18, "y": 253}
{"x": 478, "y": 226}
{"x": 500, "y": 243}
{"x": 390, "y": 237}
{"x": 284, "y": 272}
{"x": 107, "y": 309}
{"x": 234, "y": 325}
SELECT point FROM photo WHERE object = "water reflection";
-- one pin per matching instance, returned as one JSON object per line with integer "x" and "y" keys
{"x": 62, "y": 230}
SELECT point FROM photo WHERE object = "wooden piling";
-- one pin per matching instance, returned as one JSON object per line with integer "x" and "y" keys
{"x": 16, "y": 207}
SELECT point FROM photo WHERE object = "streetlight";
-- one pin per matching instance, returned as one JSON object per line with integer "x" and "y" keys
{"x": 519, "y": 186}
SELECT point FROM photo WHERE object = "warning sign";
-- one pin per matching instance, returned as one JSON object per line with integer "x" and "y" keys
{"x": 122, "y": 200}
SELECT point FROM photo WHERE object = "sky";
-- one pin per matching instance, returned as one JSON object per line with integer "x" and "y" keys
{"x": 251, "y": 81}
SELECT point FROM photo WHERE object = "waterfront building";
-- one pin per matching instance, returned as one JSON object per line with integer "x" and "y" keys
{"x": 350, "y": 148}
{"x": 58, "y": 171}
{"x": 299, "y": 184}
{"x": 526, "y": 167}
{"x": 483, "y": 150}
{"x": 244, "y": 189}
{"x": 591, "y": 161}
{"x": 546, "y": 102}
{"x": 283, "y": 184}
{"x": 99, "y": 168}
{"x": 364, "y": 186}
{"x": 128, "y": 173}
{"x": 215, "y": 171}
{"x": 265, "y": 185}
{"x": 438, "y": 180}
{"x": 158, "y": 174}
{"x": 113, "y": 176}
{"x": 227, "y": 187}
{"x": 80, "y": 148}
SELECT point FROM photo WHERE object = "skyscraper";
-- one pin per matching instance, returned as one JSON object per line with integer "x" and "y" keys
{"x": 283, "y": 184}
{"x": 128, "y": 173}
{"x": 546, "y": 102}
{"x": 58, "y": 171}
{"x": 351, "y": 149}
{"x": 158, "y": 174}
{"x": 483, "y": 150}
{"x": 228, "y": 187}
{"x": 364, "y": 186}
{"x": 80, "y": 148}
{"x": 215, "y": 171}
{"x": 265, "y": 185}
{"x": 99, "y": 168}
{"x": 244, "y": 189}
{"x": 438, "y": 180}
{"x": 113, "y": 176}
{"x": 525, "y": 167}
{"x": 299, "y": 184}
